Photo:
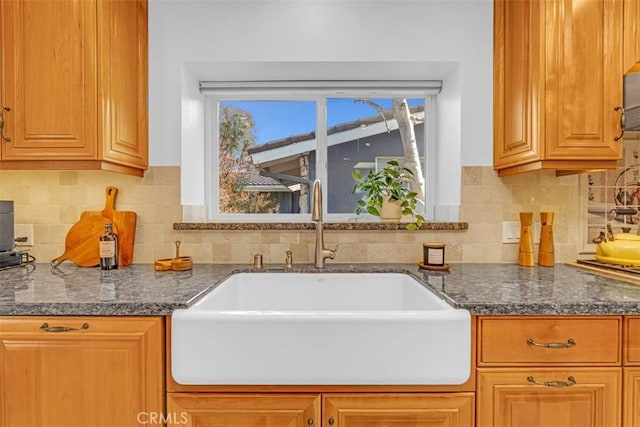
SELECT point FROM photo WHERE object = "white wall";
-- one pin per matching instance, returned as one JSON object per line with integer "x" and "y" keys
{"x": 215, "y": 39}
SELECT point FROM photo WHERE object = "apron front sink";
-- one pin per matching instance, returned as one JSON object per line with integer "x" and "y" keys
{"x": 320, "y": 328}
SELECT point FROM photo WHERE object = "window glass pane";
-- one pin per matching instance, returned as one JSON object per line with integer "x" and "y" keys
{"x": 364, "y": 134}
{"x": 266, "y": 156}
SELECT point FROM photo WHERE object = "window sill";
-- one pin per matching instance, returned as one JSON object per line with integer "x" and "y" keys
{"x": 301, "y": 226}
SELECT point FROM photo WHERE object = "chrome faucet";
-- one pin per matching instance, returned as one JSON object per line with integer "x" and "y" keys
{"x": 321, "y": 252}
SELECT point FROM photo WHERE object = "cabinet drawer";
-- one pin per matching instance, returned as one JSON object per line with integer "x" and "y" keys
{"x": 77, "y": 327}
{"x": 632, "y": 341}
{"x": 555, "y": 340}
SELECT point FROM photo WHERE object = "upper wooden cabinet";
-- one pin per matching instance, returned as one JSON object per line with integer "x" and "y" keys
{"x": 74, "y": 77}
{"x": 557, "y": 83}
{"x": 631, "y": 36}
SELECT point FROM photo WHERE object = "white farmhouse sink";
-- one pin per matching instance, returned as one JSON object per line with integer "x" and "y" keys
{"x": 320, "y": 328}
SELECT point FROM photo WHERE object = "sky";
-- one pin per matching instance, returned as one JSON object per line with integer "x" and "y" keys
{"x": 281, "y": 119}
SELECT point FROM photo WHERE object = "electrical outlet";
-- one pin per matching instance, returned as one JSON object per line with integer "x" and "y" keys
{"x": 23, "y": 231}
{"x": 511, "y": 232}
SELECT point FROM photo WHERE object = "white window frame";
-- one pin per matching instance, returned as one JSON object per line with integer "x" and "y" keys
{"x": 317, "y": 92}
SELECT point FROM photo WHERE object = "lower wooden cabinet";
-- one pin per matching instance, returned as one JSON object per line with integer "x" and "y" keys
{"x": 338, "y": 409}
{"x": 398, "y": 410}
{"x": 532, "y": 371}
{"x": 632, "y": 341}
{"x": 572, "y": 397}
{"x": 243, "y": 410}
{"x": 631, "y": 401}
{"x": 81, "y": 371}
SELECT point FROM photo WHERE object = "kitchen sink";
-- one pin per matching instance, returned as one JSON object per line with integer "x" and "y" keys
{"x": 320, "y": 328}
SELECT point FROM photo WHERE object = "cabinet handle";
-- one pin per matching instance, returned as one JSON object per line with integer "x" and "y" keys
{"x": 568, "y": 383}
{"x": 46, "y": 328}
{"x": 623, "y": 123}
{"x": 4, "y": 138}
{"x": 310, "y": 422}
{"x": 570, "y": 343}
{"x": 331, "y": 421}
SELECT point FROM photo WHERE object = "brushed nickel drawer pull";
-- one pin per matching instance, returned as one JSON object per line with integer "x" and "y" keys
{"x": 46, "y": 328}
{"x": 623, "y": 123}
{"x": 568, "y": 383}
{"x": 570, "y": 343}
{"x": 310, "y": 422}
{"x": 4, "y": 138}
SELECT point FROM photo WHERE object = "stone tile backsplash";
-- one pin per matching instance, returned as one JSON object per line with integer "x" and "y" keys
{"x": 53, "y": 201}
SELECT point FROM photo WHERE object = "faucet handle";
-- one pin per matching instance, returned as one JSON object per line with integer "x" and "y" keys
{"x": 334, "y": 250}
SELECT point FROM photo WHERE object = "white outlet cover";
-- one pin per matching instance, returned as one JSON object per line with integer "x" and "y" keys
{"x": 511, "y": 232}
{"x": 24, "y": 230}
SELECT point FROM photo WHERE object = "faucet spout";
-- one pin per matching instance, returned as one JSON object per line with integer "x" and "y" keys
{"x": 321, "y": 253}
{"x": 316, "y": 213}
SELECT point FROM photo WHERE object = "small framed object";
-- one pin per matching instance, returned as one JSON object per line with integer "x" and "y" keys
{"x": 433, "y": 254}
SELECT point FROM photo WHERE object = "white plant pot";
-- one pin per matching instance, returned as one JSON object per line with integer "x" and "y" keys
{"x": 390, "y": 210}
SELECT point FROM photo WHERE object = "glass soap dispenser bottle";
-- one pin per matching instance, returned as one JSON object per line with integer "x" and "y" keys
{"x": 108, "y": 248}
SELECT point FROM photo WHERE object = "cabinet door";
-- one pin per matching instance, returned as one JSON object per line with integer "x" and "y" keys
{"x": 122, "y": 112}
{"x": 631, "y": 36}
{"x": 243, "y": 410}
{"x": 586, "y": 397}
{"x": 631, "y": 396}
{"x": 632, "y": 341}
{"x": 583, "y": 79}
{"x": 518, "y": 67}
{"x": 49, "y": 79}
{"x": 108, "y": 373}
{"x": 398, "y": 410}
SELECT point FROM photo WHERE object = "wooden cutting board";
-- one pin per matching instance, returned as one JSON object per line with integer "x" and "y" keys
{"x": 619, "y": 275}
{"x": 124, "y": 223}
{"x": 82, "y": 242}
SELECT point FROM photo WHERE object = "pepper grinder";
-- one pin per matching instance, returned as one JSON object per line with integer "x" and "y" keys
{"x": 546, "y": 250}
{"x": 525, "y": 255}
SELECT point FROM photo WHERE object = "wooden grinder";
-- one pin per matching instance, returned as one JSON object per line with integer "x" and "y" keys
{"x": 525, "y": 255}
{"x": 546, "y": 250}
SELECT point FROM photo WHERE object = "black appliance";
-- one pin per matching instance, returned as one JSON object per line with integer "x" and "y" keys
{"x": 8, "y": 257}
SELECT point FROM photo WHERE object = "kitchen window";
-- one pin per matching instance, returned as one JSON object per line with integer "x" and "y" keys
{"x": 268, "y": 141}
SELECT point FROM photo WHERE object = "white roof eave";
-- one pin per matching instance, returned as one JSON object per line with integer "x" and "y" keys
{"x": 297, "y": 148}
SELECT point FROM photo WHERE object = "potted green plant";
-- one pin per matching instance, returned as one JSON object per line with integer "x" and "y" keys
{"x": 389, "y": 186}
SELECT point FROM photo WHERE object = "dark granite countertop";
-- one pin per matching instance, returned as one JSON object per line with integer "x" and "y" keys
{"x": 138, "y": 290}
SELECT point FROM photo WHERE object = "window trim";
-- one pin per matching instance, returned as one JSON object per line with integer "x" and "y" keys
{"x": 213, "y": 96}
{"x": 372, "y": 88}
